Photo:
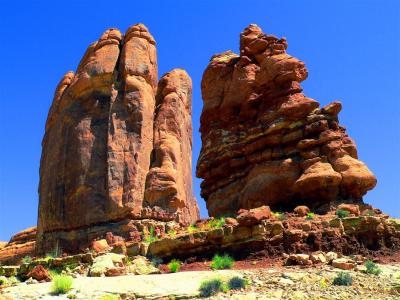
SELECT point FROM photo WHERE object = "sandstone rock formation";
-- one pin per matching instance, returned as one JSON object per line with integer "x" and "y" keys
{"x": 167, "y": 182}
{"x": 273, "y": 237}
{"x": 98, "y": 143}
{"x": 264, "y": 142}
{"x": 20, "y": 245}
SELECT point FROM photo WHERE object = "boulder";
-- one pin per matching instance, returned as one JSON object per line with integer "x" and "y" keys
{"x": 141, "y": 266}
{"x": 100, "y": 246}
{"x": 343, "y": 263}
{"x": 253, "y": 216}
{"x": 266, "y": 143}
{"x": 301, "y": 210}
{"x": 351, "y": 208}
{"x": 330, "y": 256}
{"x": 299, "y": 259}
{"x": 318, "y": 257}
{"x": 110, "y": 263}
{"x": 231, "y": 221}
{"x": 39, "y": 273}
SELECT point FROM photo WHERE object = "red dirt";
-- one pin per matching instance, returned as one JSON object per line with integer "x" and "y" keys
{"x": 264, "y": 263}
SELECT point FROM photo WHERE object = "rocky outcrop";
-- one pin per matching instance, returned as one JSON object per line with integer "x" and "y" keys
{"x": 167, "y": 181}
{"x": 98, "y": 143}
{"x": 264, "y": 142}
{"x": 20, "y": 245}
{"x": 367, "y": 235}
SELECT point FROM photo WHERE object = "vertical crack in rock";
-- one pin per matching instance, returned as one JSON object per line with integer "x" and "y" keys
{"x": 264, "y": 142}
{"x": 97, "y": 146}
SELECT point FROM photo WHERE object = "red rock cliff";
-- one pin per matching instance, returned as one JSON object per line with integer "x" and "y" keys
{"x": 264, "y": 142}
{"x": 98, "y": 143}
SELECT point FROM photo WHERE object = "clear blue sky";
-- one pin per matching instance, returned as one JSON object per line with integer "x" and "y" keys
{"x": 351, "y": 49}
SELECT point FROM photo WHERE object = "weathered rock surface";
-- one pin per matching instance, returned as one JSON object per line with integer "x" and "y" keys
{"x": 39, "y": 273}
{"x": 270, "y": 237}
{"x": 20, "y": 245}
{"x": 264, "y": 142}
{"x": 167, "y": 183}
{"x": 99, "y": 139}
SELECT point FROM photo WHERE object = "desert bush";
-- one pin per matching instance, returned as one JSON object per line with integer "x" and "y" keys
{"x": 222, "y": 262}
{"x": 343, "y": 278}
{"x": 237, "y": 283}
{"x": 211, "y": 287}
{"x": 279, "y": 215}
{"x": 55, "y": 271}
{"x": 310, "y": 216}
{"x": 27, "y": 260}
{"x": 174, "y": 266}
{"x": 3, "y": 281}
{"x": 192, "y": 228}
{"x": 372, "y": 268}
{"x": 172, "y": 233}
{"x": 216, "y": 223}
{"x": 342, "y": 213}
{"x": 61, "y": 284}
{"x": 323, "y": 284}
{"x": 151, "y": 236}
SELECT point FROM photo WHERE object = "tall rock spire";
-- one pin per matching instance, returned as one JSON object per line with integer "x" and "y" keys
{"x": 264, "y": 142}
{"x": 172, "y": 155}
{"x": 98, "y": 143}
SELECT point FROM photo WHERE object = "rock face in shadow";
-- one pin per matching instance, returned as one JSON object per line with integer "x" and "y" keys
{"x": 264, "y": 142}
{"x": 98, "y": 143}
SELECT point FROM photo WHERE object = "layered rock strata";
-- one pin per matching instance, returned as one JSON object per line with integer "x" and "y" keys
{"x": 98, "y": 143}
{"x": 264, "y": 142}
{"x": 20, "y": 245}
{"x": 367, "y": 235}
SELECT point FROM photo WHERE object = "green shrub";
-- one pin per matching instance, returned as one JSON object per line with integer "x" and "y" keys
{"x": 211, "y": 287}
{"x": 27, "y": 260}
{"x": 71, "y": 296}
{"x": 174, "y": 266}
{"x": 343, "y": 278}
{"x": 55, "y": 271}
{"x": 279, "y": 215}
{"x": 342, "y": 213}
{"x": 151, "y": 236}
{"x": 323, "y": 284}
{"x": 310, "y": 216}
{"x": 216, "y": 223}
{"x": 222, "y": 262}
{"x": 3, "y": 281}
{"x": 172, "y": 233}
{"x": 110, "y": 297}
{"x": 13, "y": 280}
{"x": 372, "y": 268}
{"x": 237, "y": 283}
{"x": 192, "y": 228}
{"x": 61, "y": 284}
